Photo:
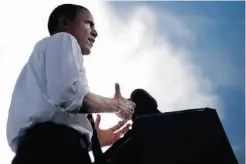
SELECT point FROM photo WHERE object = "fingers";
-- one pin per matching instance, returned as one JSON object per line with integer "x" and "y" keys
{"x": 122, "y": 131}
{"x": 117, "y": 91}
{"x": 98, "y": 120}
{"x": 118, "y": 126}
{"x": 125, "y": 129}
{"x": 126, "y": 109}
{"x": 125, "y": 116}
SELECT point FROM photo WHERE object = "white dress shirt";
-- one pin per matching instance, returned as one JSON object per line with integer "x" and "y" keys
{"x": 50, "y": 87}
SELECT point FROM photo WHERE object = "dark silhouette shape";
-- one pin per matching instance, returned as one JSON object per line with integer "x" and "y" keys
{"x": 145, "y": 103}
{"x": 191, "y": 136}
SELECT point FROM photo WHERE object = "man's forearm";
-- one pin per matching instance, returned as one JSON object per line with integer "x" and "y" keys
{"x": 97, "y": 104}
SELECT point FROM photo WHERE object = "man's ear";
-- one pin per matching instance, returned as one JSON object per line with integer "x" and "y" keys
{"x": 63, "y": 23}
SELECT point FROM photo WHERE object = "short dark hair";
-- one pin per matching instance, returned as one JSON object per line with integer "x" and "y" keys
{"x": 68, "y": 11}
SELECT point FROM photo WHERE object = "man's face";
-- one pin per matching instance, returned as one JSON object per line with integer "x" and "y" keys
{"x": 83, "y": 29}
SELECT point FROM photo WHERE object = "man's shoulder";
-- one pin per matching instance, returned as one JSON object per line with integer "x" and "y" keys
{"x": 58, "y": 37}
{"x": 62, "y": 37}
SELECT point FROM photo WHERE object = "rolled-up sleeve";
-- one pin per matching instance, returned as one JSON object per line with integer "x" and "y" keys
{"x": 66, "y": 78}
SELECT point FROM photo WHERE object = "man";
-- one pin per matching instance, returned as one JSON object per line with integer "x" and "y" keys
{"x": 46, "y": 121}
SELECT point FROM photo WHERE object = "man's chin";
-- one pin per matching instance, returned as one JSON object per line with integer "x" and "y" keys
{"x": 86, "y": 51}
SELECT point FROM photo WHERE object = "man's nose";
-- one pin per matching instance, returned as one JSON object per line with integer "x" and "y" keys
{"x": 94, "y": 33}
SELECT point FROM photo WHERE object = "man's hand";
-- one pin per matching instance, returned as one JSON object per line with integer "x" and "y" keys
{"x": 125, "y": 108}
{"x": 110, "y": 136}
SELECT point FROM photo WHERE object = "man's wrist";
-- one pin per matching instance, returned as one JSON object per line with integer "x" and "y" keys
{"x": 111, "y": 105}
{"x": 99, "y": 104}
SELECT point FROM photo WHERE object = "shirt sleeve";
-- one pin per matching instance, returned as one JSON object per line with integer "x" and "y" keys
{"x": 66, "y": 78}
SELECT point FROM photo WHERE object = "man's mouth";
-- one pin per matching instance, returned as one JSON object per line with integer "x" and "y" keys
{"x": 91, "y": 40}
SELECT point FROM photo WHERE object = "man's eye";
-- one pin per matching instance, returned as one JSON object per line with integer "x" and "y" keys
{"x": 91, "y": 24}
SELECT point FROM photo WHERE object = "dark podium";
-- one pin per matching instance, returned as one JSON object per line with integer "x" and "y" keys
{"x": 193, "y": 136}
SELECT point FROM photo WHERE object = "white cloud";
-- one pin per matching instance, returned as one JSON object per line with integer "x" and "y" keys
{"x": 128, "y": 51}
{"x": 138, "y": 57}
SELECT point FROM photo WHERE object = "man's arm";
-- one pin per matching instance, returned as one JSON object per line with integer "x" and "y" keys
{"x": 67, "y": 85}
{"x": 122, "y": 107}
{"x": 93, "y": 103}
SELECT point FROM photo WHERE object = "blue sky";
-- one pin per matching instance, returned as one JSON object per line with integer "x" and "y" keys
{"x": 218, "y": 50}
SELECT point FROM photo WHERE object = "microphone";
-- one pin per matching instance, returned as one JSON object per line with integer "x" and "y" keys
{"x": 145, "y": 103}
